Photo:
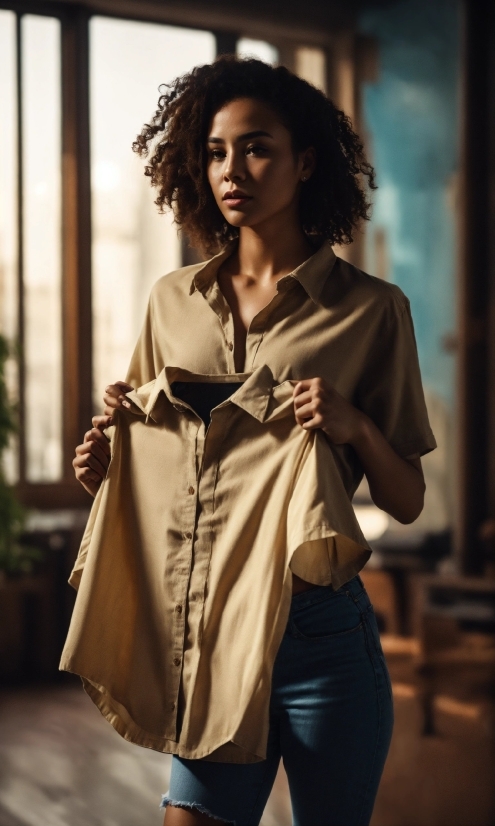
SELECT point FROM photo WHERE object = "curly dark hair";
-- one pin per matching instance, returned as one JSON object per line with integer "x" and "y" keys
{"x": 334, "y": 199}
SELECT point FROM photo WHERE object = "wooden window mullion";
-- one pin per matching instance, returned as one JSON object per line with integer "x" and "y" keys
{"x": 20, "y": 267}
{"x": 76, "y": 229}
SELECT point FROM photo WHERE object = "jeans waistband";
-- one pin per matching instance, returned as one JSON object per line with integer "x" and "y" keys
{"x": 354, "y": 587}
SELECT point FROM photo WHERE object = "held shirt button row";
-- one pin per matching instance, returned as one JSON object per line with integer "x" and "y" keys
{"x": 231, "y": 345}
{"x": 176, "y": 660}
{"x": 190, "y": 490}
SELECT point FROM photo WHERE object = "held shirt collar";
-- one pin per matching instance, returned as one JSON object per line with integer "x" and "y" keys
{"x": 184, "y": 572}
{"x": 253, "y": 396}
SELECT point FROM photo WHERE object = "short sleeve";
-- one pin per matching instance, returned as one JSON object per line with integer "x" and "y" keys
{"x": 391, "y": 391}
{"x": 146, "y": 362}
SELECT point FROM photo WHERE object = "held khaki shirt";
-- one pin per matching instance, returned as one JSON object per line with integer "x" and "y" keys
{"x": 184, "y": 573}
{"x": 184, "y": 570}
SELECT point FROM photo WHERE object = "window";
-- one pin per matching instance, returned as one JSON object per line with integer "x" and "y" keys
{"x": 73, "y": 291}
{"x": 30, "y": 236}
{"x": 133, "y": 244}
{"x": 247, "y": 47}
{"x": 42, "y": 244}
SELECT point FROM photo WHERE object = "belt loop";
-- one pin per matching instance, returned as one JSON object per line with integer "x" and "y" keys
{"x": 355, "y": 599}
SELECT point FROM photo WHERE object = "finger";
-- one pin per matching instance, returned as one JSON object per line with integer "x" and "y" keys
{"x": 112, "y": 402}
{"x": 117, "y": 388}
{"x": 301, "y": 386}
{"x": 314, "y": 423}
{"x": 94, "y": 447}
{"x": 86, "y": 457}
{"x": 109, "y": 411}
{"x": 96, "y": 435}
{"x": 87, "y": 475}
{"x": 307, "y": 411}
{"x": 116, "y": 392}
{"x": 303, "y": 398}
{"x": 101, "y": 422}
{"x": 89, "y": 460}
{"x": 126, "y": 388}
{"x": 91, "y": 447}
{"x": 89, "y": 482}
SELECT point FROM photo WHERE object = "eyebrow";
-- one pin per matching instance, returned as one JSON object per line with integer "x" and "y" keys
{"x": 256, "y": 133}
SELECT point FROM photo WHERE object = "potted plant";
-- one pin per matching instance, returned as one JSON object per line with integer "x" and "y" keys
{"x": 15, "y": 557}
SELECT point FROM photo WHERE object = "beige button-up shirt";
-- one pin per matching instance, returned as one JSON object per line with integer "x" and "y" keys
{"x": 184, "y": 573}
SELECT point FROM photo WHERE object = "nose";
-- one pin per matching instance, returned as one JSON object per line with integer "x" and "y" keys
{"x": 234, "y": 167}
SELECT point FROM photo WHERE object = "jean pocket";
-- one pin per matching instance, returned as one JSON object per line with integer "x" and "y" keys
{"x": 325, "y": 619}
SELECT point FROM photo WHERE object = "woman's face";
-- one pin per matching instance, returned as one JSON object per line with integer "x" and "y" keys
{"x": 252, "y": 169}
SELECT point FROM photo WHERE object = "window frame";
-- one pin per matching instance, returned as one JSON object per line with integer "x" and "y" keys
{"x": 76, "y": 256}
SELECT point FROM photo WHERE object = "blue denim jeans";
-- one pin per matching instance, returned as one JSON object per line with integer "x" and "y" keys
{"x": 331, "y": 719}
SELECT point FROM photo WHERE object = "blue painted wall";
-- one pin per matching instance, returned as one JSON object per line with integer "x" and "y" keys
{"x": 412, "y": 117}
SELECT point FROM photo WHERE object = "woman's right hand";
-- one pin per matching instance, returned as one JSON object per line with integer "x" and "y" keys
{"x": 93, "y": 456}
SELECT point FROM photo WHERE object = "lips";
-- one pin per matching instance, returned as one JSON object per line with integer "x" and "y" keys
{"x": 236, "y": 198}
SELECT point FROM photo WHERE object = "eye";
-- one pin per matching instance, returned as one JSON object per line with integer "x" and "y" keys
{"x": 216, "y": 154}
{"x": 256, "y": 149}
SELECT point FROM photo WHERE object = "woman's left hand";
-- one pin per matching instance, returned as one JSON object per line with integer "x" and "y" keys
{"x": 318, "y": 405}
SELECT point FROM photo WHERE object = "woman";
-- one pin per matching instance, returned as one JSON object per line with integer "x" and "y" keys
{"x": 265, "y": 173}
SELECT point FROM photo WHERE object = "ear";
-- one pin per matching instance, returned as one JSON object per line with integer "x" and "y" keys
{"x": 307, "y": 162}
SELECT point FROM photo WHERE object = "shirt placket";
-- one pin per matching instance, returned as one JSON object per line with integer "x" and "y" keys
{"x": 258, "y": 326}
{"x": 256, "y": 331}
{"x": 202, "y": 547}
{"x": 180, "y": 564}
{"x": 221, "y": 308}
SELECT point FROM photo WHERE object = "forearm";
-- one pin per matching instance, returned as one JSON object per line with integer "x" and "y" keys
{"x": 396, "y": 486}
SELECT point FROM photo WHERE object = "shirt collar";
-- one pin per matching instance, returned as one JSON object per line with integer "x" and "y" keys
{"x": 205, "y": 273}
{"x": 311, "y": 274}
{"x": 253, "y": 396}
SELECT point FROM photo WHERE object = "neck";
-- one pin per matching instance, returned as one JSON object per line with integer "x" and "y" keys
{"x": 271, "y": 250}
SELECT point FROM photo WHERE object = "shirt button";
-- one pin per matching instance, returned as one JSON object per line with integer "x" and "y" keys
{"x": 172, "y": 706}
{"x": 188, "y": 535}
{"x": 231, "y": 345}
{"x": 178, "y": 609}
{"x": 176, "y": 660}
{"x": 191, "y": 490}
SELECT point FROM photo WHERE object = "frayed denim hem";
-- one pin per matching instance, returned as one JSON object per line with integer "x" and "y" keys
{"x": 181, "y": 804}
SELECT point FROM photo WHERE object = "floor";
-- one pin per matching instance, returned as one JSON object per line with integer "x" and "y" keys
{"x": 62, "y": 764}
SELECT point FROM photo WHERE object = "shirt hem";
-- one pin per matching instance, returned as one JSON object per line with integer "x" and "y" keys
{"x": 133, "y": 733}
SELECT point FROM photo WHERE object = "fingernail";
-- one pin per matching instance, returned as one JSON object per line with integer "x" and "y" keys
{"x": 126, "y": 404}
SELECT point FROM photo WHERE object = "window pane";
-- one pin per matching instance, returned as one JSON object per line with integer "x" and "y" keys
{"x": 257, "y": 48}
{"x": 132, "y": 244}
{"x": 311, "y": 65}
{"x": 41, "y": 158}
{"x": 411, "y": 114}
{"x": 8, "y": 211}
